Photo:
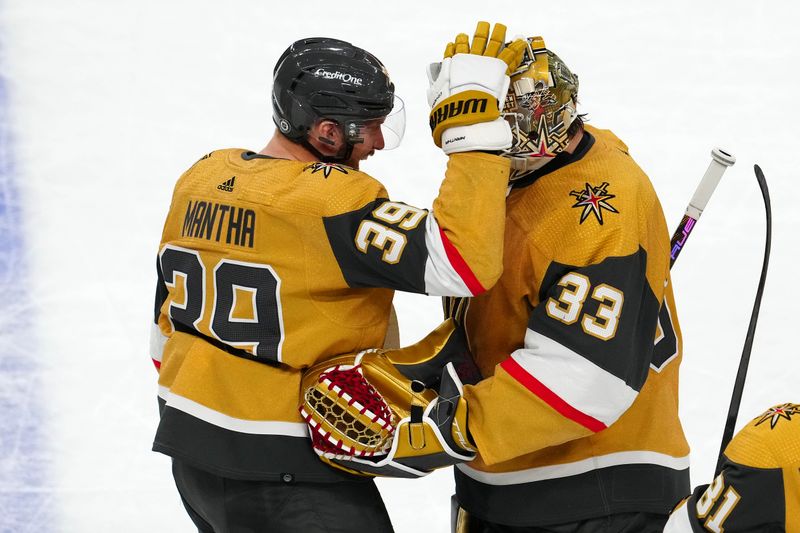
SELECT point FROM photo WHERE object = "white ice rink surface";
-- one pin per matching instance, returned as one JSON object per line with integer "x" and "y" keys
{"x": 109, "y": 101}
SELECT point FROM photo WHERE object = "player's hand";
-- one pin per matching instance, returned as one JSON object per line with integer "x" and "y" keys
{"x": 488, "y": 46}
{"x": 450, "y": 416}
{"x": 468, "y": 90}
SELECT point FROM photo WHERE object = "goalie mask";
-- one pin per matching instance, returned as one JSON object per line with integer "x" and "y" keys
{"x": 540, "y": 106}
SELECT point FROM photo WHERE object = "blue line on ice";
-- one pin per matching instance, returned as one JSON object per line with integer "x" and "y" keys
{"x": 24, "y": 497}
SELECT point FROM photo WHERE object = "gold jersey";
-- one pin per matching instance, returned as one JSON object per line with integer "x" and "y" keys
{"x": 579, "y": 344}
{"x": 758, "y": 489}
{"x": 267, "y": 266}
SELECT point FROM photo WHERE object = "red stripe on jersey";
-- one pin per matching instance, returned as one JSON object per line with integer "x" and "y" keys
{"x": 460, "y": 266}
{"x": 549, "y": 397}
{"x": 158, "y": 364}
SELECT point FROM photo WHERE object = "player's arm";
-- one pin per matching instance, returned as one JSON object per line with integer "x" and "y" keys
{"x": 586, "y": 355}
{"x": 457, "y": 249}
{"x": 454, "y": 250}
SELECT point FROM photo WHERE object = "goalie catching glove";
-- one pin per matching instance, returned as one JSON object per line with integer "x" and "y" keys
{"x": 468, "y": 90}
{"x": 368, "y": 418}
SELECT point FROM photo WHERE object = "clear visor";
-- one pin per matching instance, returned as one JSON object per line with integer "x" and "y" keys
{"x": 394, "y": 126}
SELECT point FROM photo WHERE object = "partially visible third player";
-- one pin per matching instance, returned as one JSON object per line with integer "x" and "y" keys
{"x": 758, "y": 489}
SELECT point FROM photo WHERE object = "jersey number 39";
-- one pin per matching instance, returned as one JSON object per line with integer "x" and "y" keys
{"x": 243, "y": 303}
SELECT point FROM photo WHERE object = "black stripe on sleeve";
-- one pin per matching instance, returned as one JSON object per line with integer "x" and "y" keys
{"x": 373, "y": 266}
{"x": 628, "y": 353}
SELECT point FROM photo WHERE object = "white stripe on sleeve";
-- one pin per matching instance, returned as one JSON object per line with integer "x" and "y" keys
{"x": 441, "y": 279}
{"x": 573, "y": 378}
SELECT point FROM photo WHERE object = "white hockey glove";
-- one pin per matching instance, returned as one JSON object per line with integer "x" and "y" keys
{"x": 468, "y": 90}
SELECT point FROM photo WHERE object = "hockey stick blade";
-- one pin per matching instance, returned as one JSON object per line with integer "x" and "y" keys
{"x": 738, "y": 387}
{"x": 720, "y": 161}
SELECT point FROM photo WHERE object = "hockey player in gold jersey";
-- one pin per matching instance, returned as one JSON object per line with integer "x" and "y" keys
{"x": 576, "y": 419}
{"x": 758, "y": 489}
{"x": 273, "y": 261}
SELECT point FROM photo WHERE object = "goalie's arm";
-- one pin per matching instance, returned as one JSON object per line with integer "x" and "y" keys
{"x": 586, "y": 355}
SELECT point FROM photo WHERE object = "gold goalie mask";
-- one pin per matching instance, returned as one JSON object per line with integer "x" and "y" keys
{"x": 394, "y": 413}
{"x": 540, "y": 106}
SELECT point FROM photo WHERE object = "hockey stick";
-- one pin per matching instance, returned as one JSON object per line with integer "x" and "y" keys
{"x": 720, "y": 161}
{"x": 738, "y": 387}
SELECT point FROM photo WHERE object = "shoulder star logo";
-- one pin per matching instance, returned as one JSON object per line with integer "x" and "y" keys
{"x": 325, "y": 168}
{"x": 594, "y": 200}
{"x": 773, "y": 414}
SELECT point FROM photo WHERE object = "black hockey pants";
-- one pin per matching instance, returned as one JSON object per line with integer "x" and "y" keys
{"x": 222, "y": 505}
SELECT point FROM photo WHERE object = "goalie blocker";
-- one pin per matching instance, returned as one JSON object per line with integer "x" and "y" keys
{"x": 394, "y": 413}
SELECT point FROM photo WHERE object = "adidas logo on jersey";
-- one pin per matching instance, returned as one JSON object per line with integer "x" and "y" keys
{"x": 227, "y": 186}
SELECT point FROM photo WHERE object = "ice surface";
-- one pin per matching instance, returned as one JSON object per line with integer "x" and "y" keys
{"x": 108, "y": 102}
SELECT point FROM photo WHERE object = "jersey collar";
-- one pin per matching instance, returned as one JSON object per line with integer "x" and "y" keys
{"x": 249, "y": 156}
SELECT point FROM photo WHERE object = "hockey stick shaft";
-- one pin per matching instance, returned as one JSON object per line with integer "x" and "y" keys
{"x": 738, "y": 387}
{"x": 720, "y": 161}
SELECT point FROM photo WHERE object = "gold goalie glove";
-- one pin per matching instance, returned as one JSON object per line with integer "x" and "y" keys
{"x": 394, "y": 413}
{"x": 468, "y": 90}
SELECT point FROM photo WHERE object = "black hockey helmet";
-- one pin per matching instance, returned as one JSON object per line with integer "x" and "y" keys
{"x": 320, "y": 77}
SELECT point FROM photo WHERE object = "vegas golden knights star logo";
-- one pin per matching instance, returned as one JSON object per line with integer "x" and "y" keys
{"x": 593, "y": 200}
{"x": 775, "y": 414}
{"x": 325, "y": 168}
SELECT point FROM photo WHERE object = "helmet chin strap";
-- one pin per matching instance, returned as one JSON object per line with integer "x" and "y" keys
{"x": 340, "y": 157}
{"x": 526, "y": 165}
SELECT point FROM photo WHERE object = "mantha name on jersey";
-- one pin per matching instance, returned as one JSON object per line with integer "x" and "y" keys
{"x": 578, "y": 415}
{"x": 268, "y": 266}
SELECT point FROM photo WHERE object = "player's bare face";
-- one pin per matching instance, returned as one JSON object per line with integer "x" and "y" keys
{"x": 372, "y": 141}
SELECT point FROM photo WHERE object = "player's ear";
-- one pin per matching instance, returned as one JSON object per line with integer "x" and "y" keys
{"x": 327, "y": 133}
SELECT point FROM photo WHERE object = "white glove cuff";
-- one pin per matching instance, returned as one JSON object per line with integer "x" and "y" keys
{"x": 492, "y": 136}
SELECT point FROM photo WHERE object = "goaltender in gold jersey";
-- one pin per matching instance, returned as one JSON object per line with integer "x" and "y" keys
{"x": 576, "y": 419}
